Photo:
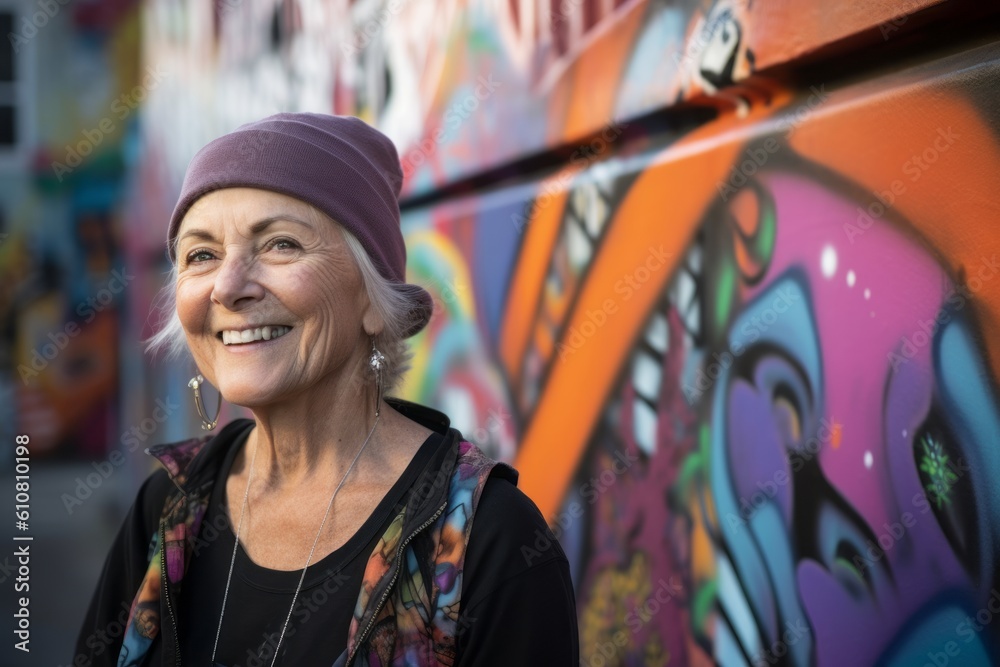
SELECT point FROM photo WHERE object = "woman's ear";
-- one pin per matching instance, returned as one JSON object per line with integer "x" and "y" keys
{"x": 372, "y": 323}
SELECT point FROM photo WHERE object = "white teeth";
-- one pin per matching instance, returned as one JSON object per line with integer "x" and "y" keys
{"x": 234, "y": 337}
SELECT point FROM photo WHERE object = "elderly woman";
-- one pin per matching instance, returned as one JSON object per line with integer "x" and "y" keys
{"x": 337, "y": 527}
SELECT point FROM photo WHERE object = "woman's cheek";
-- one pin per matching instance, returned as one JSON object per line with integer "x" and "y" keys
{"x": 192, "y": 303}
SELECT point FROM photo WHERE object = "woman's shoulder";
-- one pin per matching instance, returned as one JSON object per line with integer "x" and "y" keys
{"x": 504, "y": 515}
{"x": 508, "y": 525}
{"x": 151, "y": 497}
{"x": 509, "y": 540}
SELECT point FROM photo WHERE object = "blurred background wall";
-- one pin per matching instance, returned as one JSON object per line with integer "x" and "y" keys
{"x": 719, "y": 278}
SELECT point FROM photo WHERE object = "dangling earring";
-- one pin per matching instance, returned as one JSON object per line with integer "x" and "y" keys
{"x": 206, "y": 423}
{"x": 376, "y": 363}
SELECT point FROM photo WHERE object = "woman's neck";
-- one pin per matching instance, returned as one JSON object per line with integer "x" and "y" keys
{"x": 313, "y": 434}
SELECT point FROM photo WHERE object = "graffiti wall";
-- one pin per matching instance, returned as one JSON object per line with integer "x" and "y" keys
{"x": 732, "y": 312}
{"x": 559, "y": 70}
{"x": 752, "y": 382}
{"x": 63, "y": 180}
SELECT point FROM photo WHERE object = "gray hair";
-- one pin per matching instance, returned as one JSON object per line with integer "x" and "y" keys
{"x": 391, "y": 305}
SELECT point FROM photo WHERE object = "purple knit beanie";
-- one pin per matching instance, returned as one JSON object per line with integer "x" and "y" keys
{"x": 339, "y": 164}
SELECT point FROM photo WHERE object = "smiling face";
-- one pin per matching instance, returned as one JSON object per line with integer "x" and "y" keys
{"x": 270, "y": 298}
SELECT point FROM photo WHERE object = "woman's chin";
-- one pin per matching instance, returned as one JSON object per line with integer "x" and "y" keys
{"x": 250, "y": 395}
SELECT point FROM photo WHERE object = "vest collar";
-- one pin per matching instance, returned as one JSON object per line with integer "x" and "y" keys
{"x": 192, "y": 463}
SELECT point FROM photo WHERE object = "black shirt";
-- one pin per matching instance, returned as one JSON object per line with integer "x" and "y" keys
{"x": 259, "y": 598}
{"x": 517, "y": 605}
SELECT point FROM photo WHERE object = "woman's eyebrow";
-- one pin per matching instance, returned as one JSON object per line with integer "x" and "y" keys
{"x": 261, "y": 225}
{"x": 255, "y": 228}
{"x": 196, "y": 233}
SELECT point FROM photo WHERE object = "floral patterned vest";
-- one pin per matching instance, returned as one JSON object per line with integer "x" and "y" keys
{"x": 399, "y": 618}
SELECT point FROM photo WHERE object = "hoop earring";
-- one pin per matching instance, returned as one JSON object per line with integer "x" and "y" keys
{"x": 206, "y": 423}
{"x": 376, "y": 363}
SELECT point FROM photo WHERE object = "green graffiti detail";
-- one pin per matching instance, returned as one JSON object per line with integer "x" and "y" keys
{"x": 768, "y": 226}
{"x": 724, "y": 297}
{"x": 940, "y": 478}
{"x": 702, "y": 605}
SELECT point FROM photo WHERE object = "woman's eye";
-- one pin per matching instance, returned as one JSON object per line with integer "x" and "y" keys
{"x": 199, "y": 256}
{"x": 282, "y": 244}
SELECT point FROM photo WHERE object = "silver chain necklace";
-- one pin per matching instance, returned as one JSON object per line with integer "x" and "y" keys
{"x": 239, "y": 526}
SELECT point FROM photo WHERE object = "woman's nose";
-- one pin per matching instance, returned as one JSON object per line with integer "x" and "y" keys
{"x": 236, "y": 283}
